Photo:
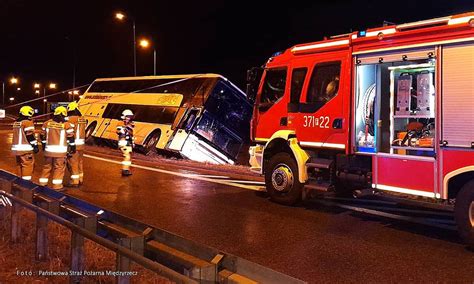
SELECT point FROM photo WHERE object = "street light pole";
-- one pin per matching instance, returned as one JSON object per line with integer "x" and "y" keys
{"x": 134, "y": 50}
{"x": 44, "y": 100}
{"x": 154, "y": 61}
{"x": 3, "y": 93}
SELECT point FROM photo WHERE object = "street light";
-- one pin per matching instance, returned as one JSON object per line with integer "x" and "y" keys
{"x": 121, "y": 17}
{"x": 51, "y": 86}
{"x": 72, "y": 94}
{"x": 13, "y": 81}
{"x": 144, "y": 43}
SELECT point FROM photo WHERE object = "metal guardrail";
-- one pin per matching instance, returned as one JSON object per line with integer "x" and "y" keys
{"x": 169, "y": 255}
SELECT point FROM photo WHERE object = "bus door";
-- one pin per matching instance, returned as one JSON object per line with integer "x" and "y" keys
{"x": 110, "y": 131}
{"x": 99, "y": 133}
{"x": 184, "y": 128}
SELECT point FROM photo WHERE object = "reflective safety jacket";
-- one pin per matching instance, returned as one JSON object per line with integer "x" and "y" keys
{"x": 79, "y": 125}
{"x": 125, "y": 134}
{"x": 23, "y": 137}
{"x": 57, "y": 136}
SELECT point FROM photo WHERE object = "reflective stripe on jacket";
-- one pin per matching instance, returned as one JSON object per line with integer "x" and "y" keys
{"x": 20, "y": 143}
{"x": 125, "y": 134}
{"x": 79, "y": 124}
{"x": 55, "y": 135}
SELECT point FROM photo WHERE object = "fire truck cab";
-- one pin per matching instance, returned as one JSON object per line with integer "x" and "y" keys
{"x": 389, "y": 109}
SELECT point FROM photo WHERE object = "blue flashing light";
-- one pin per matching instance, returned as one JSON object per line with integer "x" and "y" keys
{"x": 362, "y": 33}
{"x": 277, "y": 53}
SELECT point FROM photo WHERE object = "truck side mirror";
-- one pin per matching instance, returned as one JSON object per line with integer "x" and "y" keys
{"x": 253, "y": 80}
{"x": 251, "y": 93}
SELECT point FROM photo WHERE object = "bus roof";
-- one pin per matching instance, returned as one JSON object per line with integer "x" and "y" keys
{"x": 183, "y": 76}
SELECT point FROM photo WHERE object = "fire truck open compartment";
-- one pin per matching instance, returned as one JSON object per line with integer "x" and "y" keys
{"x": 395, "y": 103}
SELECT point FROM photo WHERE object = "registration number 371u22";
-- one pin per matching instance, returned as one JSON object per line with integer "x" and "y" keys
{"x": 314, "y": 121}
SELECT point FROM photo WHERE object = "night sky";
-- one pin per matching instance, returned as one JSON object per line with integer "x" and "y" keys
{"x": 42, "y": 40}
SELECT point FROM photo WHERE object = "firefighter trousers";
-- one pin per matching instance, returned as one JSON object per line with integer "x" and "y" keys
{"x": 75, "y": 166}
{"x": 25, "y": 164}
{"x": 54, "y": 166}
{"x": 127, "y": 157}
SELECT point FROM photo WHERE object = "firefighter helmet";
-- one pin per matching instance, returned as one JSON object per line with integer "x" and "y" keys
{"x": 60, "y": 110}
{"x": 27, "y": 111}
{"x": 126, "y": 113}
{"x": 72, "y": 106}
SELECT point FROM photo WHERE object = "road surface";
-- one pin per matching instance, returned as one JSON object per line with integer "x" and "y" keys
{"x": 313, "y": 242}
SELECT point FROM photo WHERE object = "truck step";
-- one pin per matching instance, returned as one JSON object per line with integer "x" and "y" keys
{"x": 320, "y": 163}
{"x": 322, "y": 187}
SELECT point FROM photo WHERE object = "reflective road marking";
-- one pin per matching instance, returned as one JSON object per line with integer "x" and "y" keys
{"x": 191, "y": 176}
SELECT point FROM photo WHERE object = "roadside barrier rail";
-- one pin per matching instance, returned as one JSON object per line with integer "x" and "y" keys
{"x": 171, "y": 256}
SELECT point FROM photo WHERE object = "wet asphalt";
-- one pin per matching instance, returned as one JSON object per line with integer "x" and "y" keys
{"x": 310, "y": 242}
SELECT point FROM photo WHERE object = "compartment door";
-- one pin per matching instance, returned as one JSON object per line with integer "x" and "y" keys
{"x": 458, "y": 96}
{"x": 410, "y": 175}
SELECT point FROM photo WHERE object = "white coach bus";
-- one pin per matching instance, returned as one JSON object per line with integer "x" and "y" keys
{"x": 202, "y": 117}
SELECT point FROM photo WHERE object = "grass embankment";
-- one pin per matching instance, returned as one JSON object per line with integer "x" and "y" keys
{"x": 18, "y": 264}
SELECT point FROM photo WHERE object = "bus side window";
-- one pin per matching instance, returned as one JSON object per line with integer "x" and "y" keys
{"x": 273, "y": 88}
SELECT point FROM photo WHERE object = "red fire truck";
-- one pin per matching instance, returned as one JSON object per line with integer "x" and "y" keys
{"x": 388, "y": 109}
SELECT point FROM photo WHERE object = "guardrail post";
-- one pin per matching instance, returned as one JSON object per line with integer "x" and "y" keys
{"x": 25, "y": 194}
{"x": 77, "y": 247}
{"x": 42, "y": 234}
{"x": 123, "y": 263}
{"x": 77, "y": 256}
{"x": 135, "y": 244}
{"x": 15, "y": 220}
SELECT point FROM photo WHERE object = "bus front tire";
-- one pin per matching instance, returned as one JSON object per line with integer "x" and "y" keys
{"x": 281, "y": 179}
{"x": 464, "y": 213}
{"x": 150, "y": 143}
{"x": 89, "y": 130}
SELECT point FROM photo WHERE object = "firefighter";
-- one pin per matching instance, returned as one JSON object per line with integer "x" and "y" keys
{"x": 75, "y": 161}
{"x": 58, "y": 141}
{"x": 125, "y": 140}
{"x": 24, "y": 143}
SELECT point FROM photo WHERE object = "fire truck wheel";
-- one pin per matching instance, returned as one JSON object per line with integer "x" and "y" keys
{"x": 464, "y": 213}
{"x": 281, "y": 179}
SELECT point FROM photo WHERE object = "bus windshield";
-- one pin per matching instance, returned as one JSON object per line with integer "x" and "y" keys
{"x": 225, "y": 121}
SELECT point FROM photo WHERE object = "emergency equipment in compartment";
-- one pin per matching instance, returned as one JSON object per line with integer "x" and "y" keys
{"x": 404, "y": 94}
{"x": 425, "y": 94}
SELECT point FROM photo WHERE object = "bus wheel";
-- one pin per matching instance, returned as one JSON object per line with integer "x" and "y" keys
{"x": 89, "y": 138}
{"x": 281, "y": 179}
{"x": 464, "y": 213}
{"x": 150, "y": 143}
